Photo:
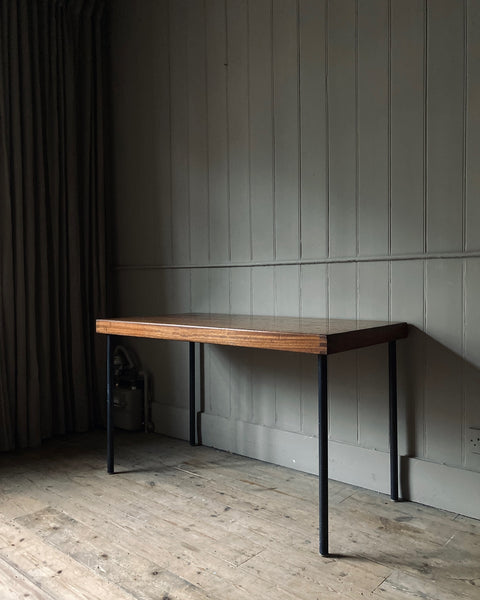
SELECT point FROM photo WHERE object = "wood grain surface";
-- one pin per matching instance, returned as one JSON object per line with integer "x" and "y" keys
{"x": 295, "y": 334}
{"x": 192, "y": 523}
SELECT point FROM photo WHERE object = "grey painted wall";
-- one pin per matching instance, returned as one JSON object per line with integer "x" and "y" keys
{"x": 308, "y": 158}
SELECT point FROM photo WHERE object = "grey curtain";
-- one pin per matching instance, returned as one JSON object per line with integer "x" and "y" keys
{"x": 52, "y": 217}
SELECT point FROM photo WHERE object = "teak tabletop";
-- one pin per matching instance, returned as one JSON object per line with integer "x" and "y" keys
{"x": 295, "y": 334}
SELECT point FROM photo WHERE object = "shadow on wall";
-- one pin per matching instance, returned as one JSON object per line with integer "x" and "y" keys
{"x": 438, "y": 394}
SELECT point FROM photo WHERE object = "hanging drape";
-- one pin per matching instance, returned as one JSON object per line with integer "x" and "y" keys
{"x": 52, "y": 217}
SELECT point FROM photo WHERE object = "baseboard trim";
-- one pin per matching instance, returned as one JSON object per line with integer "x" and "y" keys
{"x": 448, "y": 488}
{"x": 422, "y": 481}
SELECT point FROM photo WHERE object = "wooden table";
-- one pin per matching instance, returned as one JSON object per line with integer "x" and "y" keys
{"x": 307, "y": 335}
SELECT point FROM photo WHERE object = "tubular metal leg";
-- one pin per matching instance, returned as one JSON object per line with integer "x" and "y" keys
{"x": 323, "y": 454}
{"x": 392, "y": 387}
{"x": 110, "y": 427}
{"x": 192, "y": 393}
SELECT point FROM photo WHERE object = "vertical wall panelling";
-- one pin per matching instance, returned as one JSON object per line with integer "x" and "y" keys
{"x": 472, "y": 413}
{"x": 472, "y": 356}
{"x": 406, "y": 292}
{"x": 241, "y": 358}
{"x": 179, "y": 111}
{"x": 373, "y": 127}
{"x": 445, "y": 114}
{"x": 217, "y": 359}
{"x": 163, "y": 170}
{"x": 313, "y": 291}
{"x": 197, "y": 135}
{"x": 287, "y": 380}
{"x": 241, "y": 290}
{"x": 313, "y": 303}
{"x": 407, "y": 304}
{"x": 314, "y": 158}
{"x": 261, "y": 127}
{"x": 342, "y": 127}
{"x": 200, "y": 297}
{"x": 177, "y": 290}
{"x": 342, "y": 376}
{"x": 444, "y": 303}
{"x": 407, "y": 126}
{"x": 179, "y": 133}
{"x": 373, "y": 292}
{"x": 443, "y": 379}
{"x": 472, "y": 311}
{"x": 263, "y": 293}
{"x": 177, "y": 284}
{"x": 286, "y": 128}
{"x": 473, "y": 127}
{"x": 219, "y": 290}
{"x": 217, "y": 64}
{"x": 313, "y": 129}
{"x": 157, "y": 359}
{"x": 287, "y": 290}
{"x": 264, "y": 364}
{"x": 238, "y": 127}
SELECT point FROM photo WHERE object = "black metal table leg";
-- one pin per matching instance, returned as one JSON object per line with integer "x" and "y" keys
{"x": 110, "y": 426}
{"x": 323, "y": 454}
{"x": 392, "y": 389}
{"x": 192, "y": 393}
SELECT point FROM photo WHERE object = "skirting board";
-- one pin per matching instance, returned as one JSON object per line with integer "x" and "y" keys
{"x": 429, "y": 483}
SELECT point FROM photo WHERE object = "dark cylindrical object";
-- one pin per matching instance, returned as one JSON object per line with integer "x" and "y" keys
{"x": 323, "y": 454}
{"x": 392, "y": 387}
{"x": 192, "y": 393}
{"x": 110, "y": 454}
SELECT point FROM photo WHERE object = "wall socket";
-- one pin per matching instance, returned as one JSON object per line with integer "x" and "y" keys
{"x": 473, "y": 439}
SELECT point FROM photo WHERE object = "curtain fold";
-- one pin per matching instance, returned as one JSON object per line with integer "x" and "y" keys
{"x": 52, "y": 217}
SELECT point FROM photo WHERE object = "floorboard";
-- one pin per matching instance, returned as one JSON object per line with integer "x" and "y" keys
{"x": 191, "y": 523}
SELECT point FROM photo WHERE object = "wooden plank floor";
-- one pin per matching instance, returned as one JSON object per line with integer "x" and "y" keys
{"x": 178, "y": 522}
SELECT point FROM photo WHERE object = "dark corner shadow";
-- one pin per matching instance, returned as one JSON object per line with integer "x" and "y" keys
{"x": 432, "y": 377}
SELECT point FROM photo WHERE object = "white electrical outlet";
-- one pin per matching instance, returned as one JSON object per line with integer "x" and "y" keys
{"x": 473, "y": 439}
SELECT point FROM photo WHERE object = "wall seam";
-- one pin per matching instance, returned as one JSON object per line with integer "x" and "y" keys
{"x": 464, "y": 132}
{"x": 170, "y": 105}
{"x": 424, "y": 358}
{"x": 389, "y": 126}
{"x": 227, "y": 130}
{"x": 299, "y": 127}
{"x": 207, "y": 138}
{"x": 274, "y": 164}
{"x": 187, "y": 120}
{"x": 425, "y": 129}
{"x": 357, "y": 137}
{"x": 320, "y": 261}
{"x": 249, "y": 133}
{"x": 463, "y": 384}
{"x": 327, "y": 137}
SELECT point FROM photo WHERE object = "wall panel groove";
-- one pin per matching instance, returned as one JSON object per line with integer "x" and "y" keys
{"x": 315, "y": 158}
